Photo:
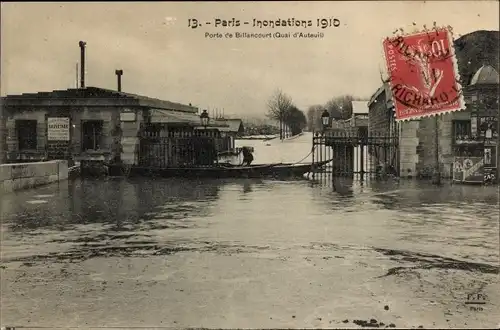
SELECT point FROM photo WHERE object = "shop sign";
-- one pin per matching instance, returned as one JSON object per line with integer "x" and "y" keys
{"x": 58, "y": 129}
{"x": 468, "y": 169}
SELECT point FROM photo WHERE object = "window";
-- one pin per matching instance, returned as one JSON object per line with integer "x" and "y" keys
{"x": 467, "y": 151}
{"x": 26, "y": 134}
{"x": 462, "y": 129}
{"x": 91, "y": 134}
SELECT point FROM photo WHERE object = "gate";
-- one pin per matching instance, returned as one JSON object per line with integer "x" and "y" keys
{"x": 163, "y": 149}
{"x": 355, "y": 154}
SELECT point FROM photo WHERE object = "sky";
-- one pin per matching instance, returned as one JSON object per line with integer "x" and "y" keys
{"x": 162, "y": 57}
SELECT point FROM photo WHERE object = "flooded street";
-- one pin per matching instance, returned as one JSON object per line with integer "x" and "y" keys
{"x": 250, "y": 253}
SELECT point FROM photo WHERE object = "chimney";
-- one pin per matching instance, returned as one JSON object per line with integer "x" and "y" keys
{"x": 119, "y": 77}
{"x": 82, "y": 63}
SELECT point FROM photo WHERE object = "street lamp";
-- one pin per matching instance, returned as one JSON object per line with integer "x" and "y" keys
{"x": 325, "y": 119}
{"x": 204, "y": 117}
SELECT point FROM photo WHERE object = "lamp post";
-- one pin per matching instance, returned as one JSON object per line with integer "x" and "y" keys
{"x": 325, "y": 119}
{"x": 205, "y": 118}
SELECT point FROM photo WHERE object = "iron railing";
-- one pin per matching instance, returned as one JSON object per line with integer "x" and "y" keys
{"x": 354, "y": 154}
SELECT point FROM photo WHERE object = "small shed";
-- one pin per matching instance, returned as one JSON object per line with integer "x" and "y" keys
{"x": 359, "y": 116}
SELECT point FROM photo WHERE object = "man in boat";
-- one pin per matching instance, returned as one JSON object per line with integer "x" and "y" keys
{"x": 247, "y": 156}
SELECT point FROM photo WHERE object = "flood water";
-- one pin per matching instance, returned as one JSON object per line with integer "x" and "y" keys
{"x": 248, "y": 252}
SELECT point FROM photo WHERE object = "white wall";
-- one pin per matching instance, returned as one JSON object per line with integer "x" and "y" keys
{"x": 28, "y": 175}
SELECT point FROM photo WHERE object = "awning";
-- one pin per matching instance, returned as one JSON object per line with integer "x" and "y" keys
{"x": 185, "y": 118}
{"x": 174, "y": 117}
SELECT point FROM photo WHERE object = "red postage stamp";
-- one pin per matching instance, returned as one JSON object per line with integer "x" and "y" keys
{"x": 423, "y": 74}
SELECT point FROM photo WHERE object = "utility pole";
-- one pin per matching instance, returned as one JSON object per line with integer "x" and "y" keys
{"x": 281, "y": 124}
{"x": 82, "y": 45}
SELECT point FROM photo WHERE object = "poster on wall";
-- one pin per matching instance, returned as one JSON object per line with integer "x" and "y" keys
{"x": 58, "y": 129}
{"x": 488, "y": 127}
{"x": 468, "y": 169}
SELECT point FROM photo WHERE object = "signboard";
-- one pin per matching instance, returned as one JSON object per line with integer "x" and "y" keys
{"x": 58, "y": 129}
{"x": 468, "y": 169}
{"x": 127, "y": 115}
{"x": 489, "y": 157}
{"x": 423, "y": 74}
{"x": 490, "y": 175}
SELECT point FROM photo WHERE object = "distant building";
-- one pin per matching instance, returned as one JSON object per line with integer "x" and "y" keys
{"x": 359, "y": 117}
{"x": 230, "y": 130}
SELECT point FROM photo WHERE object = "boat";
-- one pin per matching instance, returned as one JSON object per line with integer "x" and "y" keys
{"x": 273, "y": 170}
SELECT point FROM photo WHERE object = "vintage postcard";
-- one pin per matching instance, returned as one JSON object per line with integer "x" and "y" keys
{"x": 247, "y": 164}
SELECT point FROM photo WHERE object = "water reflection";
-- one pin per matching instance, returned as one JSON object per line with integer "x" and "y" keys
{"x": 412, "y": 195}
{"x": 247, "y": 187}
{"x": 343, "y": 186}
{"x": 120, "y": 203}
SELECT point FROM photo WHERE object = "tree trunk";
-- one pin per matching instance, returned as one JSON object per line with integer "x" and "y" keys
{"x": 281, "y": 127}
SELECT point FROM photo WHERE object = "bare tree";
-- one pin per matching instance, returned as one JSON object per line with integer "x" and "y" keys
{"x": 278, "y": 106}
{"x": 340, "y": 107}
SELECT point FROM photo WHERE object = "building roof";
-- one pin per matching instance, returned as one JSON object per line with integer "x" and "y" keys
{"x": 385, "y": 88}
{"x": 485, "y": 75}
{"x": 233, "y": 125}
{"x": 359, "y": 107}
{"x": 92, "y": 96}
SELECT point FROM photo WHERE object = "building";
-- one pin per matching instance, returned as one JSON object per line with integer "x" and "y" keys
{"x": 359, "y": 117}
{"x": 475, "y": 134}
{"x": 233, "y": 129}
{"x": 382, "y": 122}
{"x": 468, "y": 133}
{"x": 97, "y": 124}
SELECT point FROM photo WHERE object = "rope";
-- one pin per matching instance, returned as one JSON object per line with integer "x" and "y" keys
{"x": 312, "y": 150}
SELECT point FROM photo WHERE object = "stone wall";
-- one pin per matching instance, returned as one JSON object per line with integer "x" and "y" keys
{"x": 130, "y": 140}
{"x": 28, "y": 175}
{"x": 408, "y": 142}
